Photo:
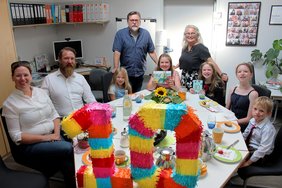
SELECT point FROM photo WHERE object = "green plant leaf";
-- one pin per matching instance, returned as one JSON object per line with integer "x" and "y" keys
{"x": 277, "y": 44}
{"x": 256, "y": 55}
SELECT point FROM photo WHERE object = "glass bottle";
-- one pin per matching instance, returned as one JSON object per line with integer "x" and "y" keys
{"x": 127, "y": 106}
{"x": 124, "y": 141}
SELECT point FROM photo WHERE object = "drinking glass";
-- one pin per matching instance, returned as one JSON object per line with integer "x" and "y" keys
{"x": 211, "y": 121}
{"x": 182, "y": 93}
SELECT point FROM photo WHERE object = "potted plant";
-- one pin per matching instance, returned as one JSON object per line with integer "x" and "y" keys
{"x": 271, "y": 59}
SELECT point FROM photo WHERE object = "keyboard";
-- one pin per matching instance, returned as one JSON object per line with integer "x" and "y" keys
{"x": 82, "y": 69}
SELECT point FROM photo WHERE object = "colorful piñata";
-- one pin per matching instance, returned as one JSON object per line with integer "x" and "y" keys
{"x": 188, "y": 128}
{"x": 95, "y": 118}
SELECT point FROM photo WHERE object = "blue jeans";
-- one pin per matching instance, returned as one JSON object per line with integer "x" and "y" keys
{"x": 50, "y": 157}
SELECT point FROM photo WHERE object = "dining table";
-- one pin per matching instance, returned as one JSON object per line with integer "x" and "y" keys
{"x": 218, "y": 172}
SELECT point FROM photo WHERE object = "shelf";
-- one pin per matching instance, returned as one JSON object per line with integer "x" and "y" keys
{"x": 100, "y": 22}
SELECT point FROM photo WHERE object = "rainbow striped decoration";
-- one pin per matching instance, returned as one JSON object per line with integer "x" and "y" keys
{"x": 96, "y": 119}
{"x": 142, "y": 127}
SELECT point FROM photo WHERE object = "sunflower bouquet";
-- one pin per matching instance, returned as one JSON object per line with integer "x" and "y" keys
{"x": 164, "y": 96}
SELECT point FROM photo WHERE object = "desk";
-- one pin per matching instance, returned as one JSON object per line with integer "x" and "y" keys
{"x": 218, "y": 173}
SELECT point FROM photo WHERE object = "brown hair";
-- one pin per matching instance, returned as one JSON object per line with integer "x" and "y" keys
{"x": 215, "y": 79}
{"x": 247, "y": 65}
{"x": 18, "y": 64}
{"x": 169, "y": 59}
{"x": 133, "y": 13}
{"x": 126, "y": 84}
{"x": 265, "y": 103}
{"x": 66, "y": 49}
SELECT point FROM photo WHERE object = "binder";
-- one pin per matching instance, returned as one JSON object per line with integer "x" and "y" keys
{"x": 35, "y": 12}
{"x": 21, "y": 14}
{"x": 26, "y": 14}
{"x": 70, "y": 13}
{"x": 31, "y": 13}
{"x": 67, "y": 10}
{"x": 40, "y": 13}
{"x": 13, "y": 14}
{"x": 43, "y": 15}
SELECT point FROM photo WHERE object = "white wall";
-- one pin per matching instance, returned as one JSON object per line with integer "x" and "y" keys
{"x": 187, "y": 14}
{"x": 228, "y": 57}
{"x": 98, "y": 38}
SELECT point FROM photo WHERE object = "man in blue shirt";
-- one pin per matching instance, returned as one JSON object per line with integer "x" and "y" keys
{"x": 130, "y": 47}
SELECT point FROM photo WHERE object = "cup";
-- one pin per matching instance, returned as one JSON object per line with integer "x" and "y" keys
{"x": 120, "y": 157}
{"x": 114, "y": 110}
{"x": 182, "y": 93}
{"x": 211, "y": 121}
{"x": 217, "y": 134}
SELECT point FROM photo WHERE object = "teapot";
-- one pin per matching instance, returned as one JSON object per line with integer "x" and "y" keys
{"x": 208, "y": 146}
{"x": 166, "y": 159}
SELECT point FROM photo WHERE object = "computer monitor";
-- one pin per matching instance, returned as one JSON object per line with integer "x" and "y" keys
{"x": 75, "y": 44}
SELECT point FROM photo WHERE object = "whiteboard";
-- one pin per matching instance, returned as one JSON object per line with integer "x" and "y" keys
{"x": 148, "y": 24}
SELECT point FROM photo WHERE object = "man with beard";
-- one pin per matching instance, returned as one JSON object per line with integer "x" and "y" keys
{"x": 130, "y": 47}
{"x": 67, "y": 89}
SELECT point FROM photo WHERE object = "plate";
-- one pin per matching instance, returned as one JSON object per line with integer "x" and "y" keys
{"x": 209, "y": 105}
{"x": 232, "y": 129}
{"x": 231, "y": 155}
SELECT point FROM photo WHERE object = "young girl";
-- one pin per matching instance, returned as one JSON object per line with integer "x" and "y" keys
{"x": 213, "y": 86}
{"x": 165, "y": 64}
{"x": 240, "y": 98}
{"x": 119, "y": 84}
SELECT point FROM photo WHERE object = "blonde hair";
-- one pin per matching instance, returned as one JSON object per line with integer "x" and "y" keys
{"x": 126, "y": 84}
{"x": 197, "y": 31}
{"x": 265, "y": 103}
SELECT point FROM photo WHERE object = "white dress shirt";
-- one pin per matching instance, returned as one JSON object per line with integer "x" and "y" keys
{"x": 26, "y": 114}
{"x": 67, "y": 94}
{"x": 262, "y": 138}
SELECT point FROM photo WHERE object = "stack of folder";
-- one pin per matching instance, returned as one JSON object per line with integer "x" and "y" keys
{"x": 27, "y": 13}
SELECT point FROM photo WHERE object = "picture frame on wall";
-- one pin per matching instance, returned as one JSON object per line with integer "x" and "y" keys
{"x": 275, "y": 15}
{"x": 242, "y": 23}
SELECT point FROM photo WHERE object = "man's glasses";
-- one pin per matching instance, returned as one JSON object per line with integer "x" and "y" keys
{"x": 134, "y": 20}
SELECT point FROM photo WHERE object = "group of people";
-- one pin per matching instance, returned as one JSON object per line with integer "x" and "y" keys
{"x": 130, "y": 48}
{"x": 33, "y": 114}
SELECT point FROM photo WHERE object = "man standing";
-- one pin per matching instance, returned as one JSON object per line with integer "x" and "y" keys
{"x": 67, "y": 89}
{"x": 130, "y": 48}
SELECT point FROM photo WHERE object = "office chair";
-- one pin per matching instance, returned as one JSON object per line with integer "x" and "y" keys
{"x": 272, "y": 168}
{"x": 262, "y": 90}
{"x": 100, "y": 80}
{"x": 254, "y": 76}
{"x": 13, "y": 179}
{"x": 27, "y": 162}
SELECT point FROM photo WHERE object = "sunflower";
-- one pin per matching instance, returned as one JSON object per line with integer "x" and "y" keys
{"x": 160, "y": 92}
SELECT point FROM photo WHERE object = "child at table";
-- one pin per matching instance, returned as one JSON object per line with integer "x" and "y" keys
{"x": 240, "y": 98}
{"x": 260, "y": 133}
{"x": 165, "y": 64}
{"x": 120, "y": 83}
{"x": 213, "y": 86}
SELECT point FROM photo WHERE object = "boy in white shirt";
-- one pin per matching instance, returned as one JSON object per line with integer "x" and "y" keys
{"x": 260, "y": 133}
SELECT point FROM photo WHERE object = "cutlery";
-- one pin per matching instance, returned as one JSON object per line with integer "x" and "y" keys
{"x": 233, "y": 144}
